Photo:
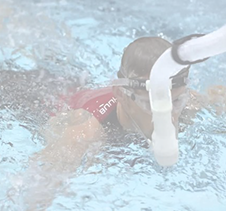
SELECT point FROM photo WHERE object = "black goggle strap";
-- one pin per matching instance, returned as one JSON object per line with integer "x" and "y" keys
{"x": 137, "y": 84}
{"x": 179, "y": 82}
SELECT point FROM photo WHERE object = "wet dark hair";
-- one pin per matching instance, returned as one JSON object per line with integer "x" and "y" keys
{"x": 140, "y": 56}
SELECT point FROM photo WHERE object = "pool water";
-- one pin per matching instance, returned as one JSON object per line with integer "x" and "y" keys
{"x": 51, "y": 47}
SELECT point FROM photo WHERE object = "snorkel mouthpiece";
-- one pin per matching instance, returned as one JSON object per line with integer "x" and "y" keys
{"x": 165, "y": 144}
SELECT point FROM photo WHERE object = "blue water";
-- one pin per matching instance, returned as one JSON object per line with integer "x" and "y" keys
{"x": 48, "y": 47}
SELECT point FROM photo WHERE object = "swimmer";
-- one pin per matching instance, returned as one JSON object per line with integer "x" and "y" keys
{"x": 94, "y": 112}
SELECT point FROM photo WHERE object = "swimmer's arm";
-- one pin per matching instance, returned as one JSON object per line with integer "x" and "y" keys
{"x": 69, "y": 135}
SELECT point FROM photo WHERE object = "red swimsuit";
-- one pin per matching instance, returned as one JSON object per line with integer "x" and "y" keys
{"x": 101, "y": 103}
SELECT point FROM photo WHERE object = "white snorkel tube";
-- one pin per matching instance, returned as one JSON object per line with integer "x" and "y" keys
{"x": 182, "y": 54}
{"x": 164, "y": 141}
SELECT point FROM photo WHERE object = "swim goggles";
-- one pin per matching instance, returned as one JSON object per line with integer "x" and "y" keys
{"x": 127, "y": 85}
{"x": 178, "y": 80}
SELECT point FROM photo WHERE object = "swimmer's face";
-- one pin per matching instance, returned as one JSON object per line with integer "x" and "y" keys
{"x": 144, "y": 119}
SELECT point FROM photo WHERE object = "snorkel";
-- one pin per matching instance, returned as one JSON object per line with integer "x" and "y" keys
{"x": 184, "y": 52}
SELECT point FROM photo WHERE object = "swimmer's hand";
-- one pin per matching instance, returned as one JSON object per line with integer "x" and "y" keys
{"x": 34, "y": 189}
{"x": 217, "y": 98}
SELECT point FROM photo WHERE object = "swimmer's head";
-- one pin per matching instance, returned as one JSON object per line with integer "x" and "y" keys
{"x": 139, "y": 57}
{"x": 137, "y": 62}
